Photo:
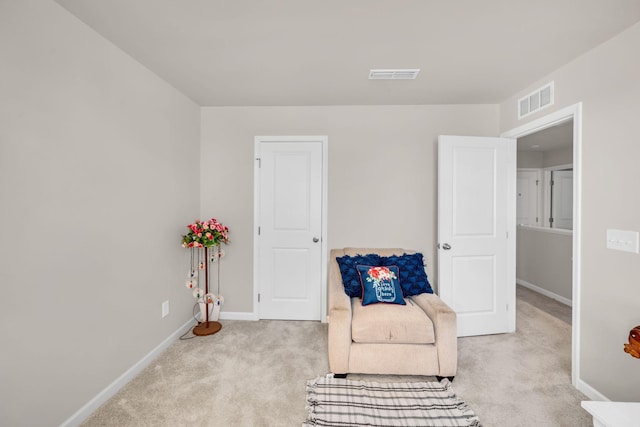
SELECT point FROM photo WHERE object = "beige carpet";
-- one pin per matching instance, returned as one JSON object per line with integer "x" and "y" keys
{"x": 522, "y": 379}
{"x": 254, "y": 374}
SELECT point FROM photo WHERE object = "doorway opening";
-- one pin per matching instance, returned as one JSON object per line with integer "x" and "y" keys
{"x": 567, "y": 119}
{"x": 545, "y": 213}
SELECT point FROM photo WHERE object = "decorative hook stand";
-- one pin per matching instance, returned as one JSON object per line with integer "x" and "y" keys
{"x": 208, "y": 327}
{"x": 203, "y": 235}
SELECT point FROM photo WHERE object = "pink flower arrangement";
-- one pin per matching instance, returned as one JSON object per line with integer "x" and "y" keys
{"x": 380, "y": 274}
{"x": 205, "y": 234}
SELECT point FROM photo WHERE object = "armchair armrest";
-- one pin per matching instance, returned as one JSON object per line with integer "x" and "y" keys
{"x": 445, "y": 330}
{"x": 339, "y": 339}
{"x": 338, "y": 299}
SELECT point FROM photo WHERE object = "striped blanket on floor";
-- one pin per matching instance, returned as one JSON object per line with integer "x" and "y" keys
{"x": 342, "y": 402}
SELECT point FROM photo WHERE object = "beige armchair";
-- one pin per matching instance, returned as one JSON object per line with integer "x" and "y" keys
{"x": 414, "y": 339}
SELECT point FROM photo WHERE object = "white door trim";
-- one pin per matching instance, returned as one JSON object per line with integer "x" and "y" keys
{"x": 571, "y": 112}
{"x": 256, "y": 212}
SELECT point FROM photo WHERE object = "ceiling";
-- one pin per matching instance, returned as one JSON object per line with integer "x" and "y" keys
{"x": 304, "y": 52}
{"x": 553, "y": 138}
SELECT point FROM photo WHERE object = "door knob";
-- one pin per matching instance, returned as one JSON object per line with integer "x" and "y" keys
{"x": 446, "y": 246}
{"x": 316, "y": 240}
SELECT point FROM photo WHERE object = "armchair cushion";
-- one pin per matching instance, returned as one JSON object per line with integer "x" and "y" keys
{"x": 391, "y": 323}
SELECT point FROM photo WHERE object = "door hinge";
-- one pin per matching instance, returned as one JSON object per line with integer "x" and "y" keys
{"x": 507, "y": 234}
{"x": 550, "y": 220}
{"x": 507, "y": 307}
{"x": 259, "y": 162}
{"x": 258, "y": 230}
{"x": 258, "y": 297}
{"x": 552, "y": 183}
{"x": 536, "y": 219}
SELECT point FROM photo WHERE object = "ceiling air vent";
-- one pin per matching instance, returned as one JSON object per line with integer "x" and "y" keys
{"x": 535, "y": 101}
{"x": 396, "y": 74}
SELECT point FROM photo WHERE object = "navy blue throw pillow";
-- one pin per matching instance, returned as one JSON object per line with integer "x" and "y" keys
{"x": 380, "y": 284}
{"x": 413, "y": 278}
{"x": 350, "y": 276}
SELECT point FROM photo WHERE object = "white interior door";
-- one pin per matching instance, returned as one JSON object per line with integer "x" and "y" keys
{"x": 289, "y": 260}
{"x": 527, "y": 199}
{"x": 476, "y": 231}
{"x": 562, "y": 199}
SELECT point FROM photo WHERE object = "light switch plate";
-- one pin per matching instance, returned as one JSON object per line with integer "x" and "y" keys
{"x": 623, "y": 240}
{"x": 165, "y": 308}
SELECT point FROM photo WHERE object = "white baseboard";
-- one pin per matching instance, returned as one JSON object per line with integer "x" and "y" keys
{"x": 238, "y": 315}
{"x": 545, "y": 292}
{"x": 591, "y": 392}
{"x": 88, "y": 409}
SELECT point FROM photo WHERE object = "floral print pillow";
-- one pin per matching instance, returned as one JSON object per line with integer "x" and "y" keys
{"x": 380, "y": 285}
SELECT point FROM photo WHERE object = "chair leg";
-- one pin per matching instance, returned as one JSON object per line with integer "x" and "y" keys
{"x": 339, "y": 375}
{"x": 439, "y": 378}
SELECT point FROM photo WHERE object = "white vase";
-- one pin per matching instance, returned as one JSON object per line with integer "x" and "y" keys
{"x": 214, "y": 309}
{"x": 203, "y": 310}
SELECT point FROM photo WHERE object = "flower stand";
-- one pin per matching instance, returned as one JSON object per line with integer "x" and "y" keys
{"x": 202, "y": 236}
{"x": 207, "y": 327}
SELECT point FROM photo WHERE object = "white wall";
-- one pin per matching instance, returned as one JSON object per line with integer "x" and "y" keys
{"x": 530, "y": 159}
{"x": 561, "y": 156}
{"x": 386, "y": 153}
{"x": 545, "y": 159}
{"x": 543, "y": 259}
{"x": 98, "y": 180}
{"x": 606, "y": 81}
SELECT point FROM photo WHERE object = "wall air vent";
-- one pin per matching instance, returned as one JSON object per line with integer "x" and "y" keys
{"x": 395, "y": 74}
{"x": 537, "y": 100}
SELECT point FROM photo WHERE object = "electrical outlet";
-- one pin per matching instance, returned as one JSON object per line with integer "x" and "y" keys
{"x": 165, "y": 309}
